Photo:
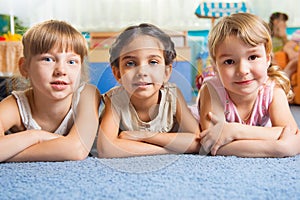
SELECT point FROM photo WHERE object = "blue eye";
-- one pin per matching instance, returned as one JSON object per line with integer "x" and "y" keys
{"x": 72, "y": 62}
{"x": 48, "y": 59}
{"x": 130, "y": 64}
{"x": 153, "y": 62}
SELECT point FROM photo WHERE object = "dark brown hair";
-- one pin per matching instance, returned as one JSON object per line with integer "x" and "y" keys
{"x": 143, "y": 29}
{"x": 279, "y": 16}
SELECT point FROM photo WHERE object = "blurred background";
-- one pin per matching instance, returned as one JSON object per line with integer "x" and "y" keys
{"x": 101, "y": 20}
{"x": 114, "y": 15}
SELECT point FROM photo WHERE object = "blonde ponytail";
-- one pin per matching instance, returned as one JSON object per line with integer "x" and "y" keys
{"x": 282, "y": 80}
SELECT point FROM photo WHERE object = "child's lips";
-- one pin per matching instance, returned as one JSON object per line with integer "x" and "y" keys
{"x": 142, "y": 84}
{"x": 59, "y": 85}
{"x": 244, "y": 82}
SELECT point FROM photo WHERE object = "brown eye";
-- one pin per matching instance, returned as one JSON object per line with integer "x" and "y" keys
{"x": 253, "y": 57}
{"x": 229, "y": 62}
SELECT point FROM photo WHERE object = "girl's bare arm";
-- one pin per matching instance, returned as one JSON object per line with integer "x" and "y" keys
{"x": 110, "y": 144}
{"x": 238, "y": 139}
{"x": 13, "y": 144}
{"x": 77, "y": 144}
{"x": 186, "y": 140}
{"x": 286, "y": 145}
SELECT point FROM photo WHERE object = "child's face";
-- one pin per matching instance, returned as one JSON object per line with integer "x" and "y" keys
{"x": 279, "y": 28}
{"x": 241, "y": 68}
{"x": 142, "y": 69}
{"x": 54, "y": 74}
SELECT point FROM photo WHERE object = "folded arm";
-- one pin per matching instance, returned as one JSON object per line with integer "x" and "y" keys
{"x": 186, "y": 140}
{"x": 245, "y": 140}
{"x": 286, "y": 145}
{"x": 78, "y": 142}
{"x": 13, "y": 144}
{"x": 110, "y": 144}
{"x": 176, "y": 142}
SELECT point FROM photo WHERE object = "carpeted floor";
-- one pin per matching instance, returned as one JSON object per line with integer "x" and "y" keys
{"x": 154, "y": 177}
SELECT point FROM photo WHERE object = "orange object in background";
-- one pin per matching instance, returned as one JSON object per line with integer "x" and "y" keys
{"x": 281, "y": 59}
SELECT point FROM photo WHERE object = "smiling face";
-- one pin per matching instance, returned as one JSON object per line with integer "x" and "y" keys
{"x": 55, "y": 74}
{"x": 142, "y": 70}
{"x": 242, "y": 68}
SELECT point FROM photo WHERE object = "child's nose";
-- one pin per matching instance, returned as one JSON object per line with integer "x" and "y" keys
{"x": 59, "y": 69}
{"x": 243, "y": 68}
{"x": 142, "y": 70}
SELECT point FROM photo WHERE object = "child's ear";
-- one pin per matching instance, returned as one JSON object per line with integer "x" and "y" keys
{"x": 168, "y": 72}
{"x": 22, "y": 67}
{"x": 116, "y": 73}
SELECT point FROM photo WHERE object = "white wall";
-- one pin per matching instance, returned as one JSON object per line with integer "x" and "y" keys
{"x": 114, "y": 15}
{"x": 265, "y": 8}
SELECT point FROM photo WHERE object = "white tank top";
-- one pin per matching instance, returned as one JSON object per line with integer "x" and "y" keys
{"x": 165, "y": 121}
{"x": 30, "y": 123}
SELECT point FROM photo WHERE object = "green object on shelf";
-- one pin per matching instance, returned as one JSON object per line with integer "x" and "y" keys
{"x": 5, "y": 25}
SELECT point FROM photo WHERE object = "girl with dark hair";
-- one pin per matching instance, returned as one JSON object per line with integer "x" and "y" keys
{"x": 144, "y": 115}
{"x": 277, "y": 24}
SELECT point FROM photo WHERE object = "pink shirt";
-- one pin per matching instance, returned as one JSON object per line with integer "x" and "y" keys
{"x": 259, "y": 116}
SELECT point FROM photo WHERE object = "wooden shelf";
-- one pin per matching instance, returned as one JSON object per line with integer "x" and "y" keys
{"x": 10, "y": 53}
{"x": 105, "y": 39}
{"x": 102, "y": 39}
{"x": 102, "y": 54}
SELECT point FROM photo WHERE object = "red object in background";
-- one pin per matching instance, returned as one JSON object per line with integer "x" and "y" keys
{"x": 2, "y": 38}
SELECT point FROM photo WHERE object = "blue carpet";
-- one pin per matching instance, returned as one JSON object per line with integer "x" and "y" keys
{"x": 154, "y": 177}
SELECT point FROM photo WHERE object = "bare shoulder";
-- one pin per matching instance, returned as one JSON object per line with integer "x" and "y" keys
{"x": 8, "y": 103}
{"x": 279, "y": 109}
{"x": 90, "y": 95}
{"x": 204, "y": 96}
{"x": 279, "y": 102}
{"x": 90, "y": 89}
{"x": 278, "y": 88}
{"x": 179, "y": 94}
{"x": 279, "y": 94}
